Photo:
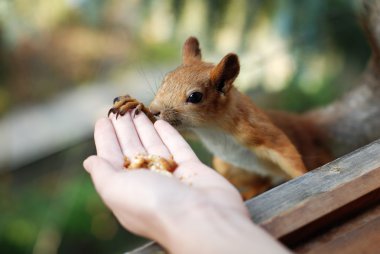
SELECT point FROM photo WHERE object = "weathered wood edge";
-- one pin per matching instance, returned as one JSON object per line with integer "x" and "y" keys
{"x": 291, "y": 194}
{"x": 325, "y": 209}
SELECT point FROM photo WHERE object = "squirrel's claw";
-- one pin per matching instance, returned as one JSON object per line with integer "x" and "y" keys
{"x": 137, "y": 110}
{"x": 122, "y": 104}
{"x": 112, "y": 110}
{"x": 109, "y": 112}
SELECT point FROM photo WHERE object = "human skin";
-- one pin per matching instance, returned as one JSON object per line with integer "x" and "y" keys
{"x": 195, "y": 211}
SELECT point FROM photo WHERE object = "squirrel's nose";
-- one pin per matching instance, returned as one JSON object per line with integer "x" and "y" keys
{"x": 155, "y": 109}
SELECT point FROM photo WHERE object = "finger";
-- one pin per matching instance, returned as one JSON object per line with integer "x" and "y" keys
{"x": 107, "y": 145}
{"x": 127, "y": 135}
{"x": 178, "y": 147}
{"x": 100, "y": 170}
{"x": 149, "y": 136}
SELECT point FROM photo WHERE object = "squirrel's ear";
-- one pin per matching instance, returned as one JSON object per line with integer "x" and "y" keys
{"x": 223, "y": 75}
{"x": 191, "y": 51}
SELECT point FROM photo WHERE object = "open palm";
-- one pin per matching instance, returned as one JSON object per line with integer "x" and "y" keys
{"x": 145, "y": 201}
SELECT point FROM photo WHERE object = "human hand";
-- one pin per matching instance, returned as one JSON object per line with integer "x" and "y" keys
{"x": 151, "y": 204}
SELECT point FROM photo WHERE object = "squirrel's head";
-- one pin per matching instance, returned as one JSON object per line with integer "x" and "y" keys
{"x": 196, "y": 92}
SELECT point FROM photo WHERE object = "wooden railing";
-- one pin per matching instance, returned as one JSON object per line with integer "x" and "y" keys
{"x": 332, "y": 209}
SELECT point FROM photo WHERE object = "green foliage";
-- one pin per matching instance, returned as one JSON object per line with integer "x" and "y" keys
{"x": 56, "y": 209}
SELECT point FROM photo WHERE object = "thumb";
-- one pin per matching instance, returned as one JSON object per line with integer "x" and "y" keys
{"x": 99, "y": 169}
{"x": 89, "y": 163}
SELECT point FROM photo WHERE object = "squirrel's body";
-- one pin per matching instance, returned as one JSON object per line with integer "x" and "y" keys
{"x": 222, "y": 138}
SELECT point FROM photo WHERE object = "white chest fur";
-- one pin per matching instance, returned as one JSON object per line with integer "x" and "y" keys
{"x": 228, "y": 149}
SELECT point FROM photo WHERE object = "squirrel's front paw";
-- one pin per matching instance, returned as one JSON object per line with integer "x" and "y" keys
{"x": 122, "y": 104}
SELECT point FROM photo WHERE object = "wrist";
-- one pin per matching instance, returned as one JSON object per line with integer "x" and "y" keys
{"x": 193, "y": 228}
{"x": 205, "y": 228}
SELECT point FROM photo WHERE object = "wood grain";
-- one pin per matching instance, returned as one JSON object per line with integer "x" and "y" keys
{"x": 363, "y": 240}
{"x": 359, "y": 234}
{"x": 290, "y": 195}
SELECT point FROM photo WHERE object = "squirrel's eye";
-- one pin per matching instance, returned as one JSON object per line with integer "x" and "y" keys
{"x": 195, "y": 97}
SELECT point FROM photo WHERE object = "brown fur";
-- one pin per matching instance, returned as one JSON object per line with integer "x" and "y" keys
{"x": 307, "y": 138}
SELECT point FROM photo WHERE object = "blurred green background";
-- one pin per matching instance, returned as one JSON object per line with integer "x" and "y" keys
{"x": 63, "y": 61}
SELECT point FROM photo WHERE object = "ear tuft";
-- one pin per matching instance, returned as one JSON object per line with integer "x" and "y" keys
{"x": 224, "y": 74}
{"x": 191, "y": 52}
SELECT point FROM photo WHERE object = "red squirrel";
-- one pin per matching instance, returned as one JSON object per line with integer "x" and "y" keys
{"x": 257, "y": 148}
{"x": 201, "y": 96}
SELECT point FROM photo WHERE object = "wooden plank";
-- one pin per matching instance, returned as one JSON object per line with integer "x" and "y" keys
{"x": 365, "y": 239}
{"x": 339, "y": 201}
{"x": 331, "y": 220}
{"x": 360, "y": 234}
{"x": 293, "y": 205}
{"x": 348, "y": 183}
{"x": 292, "y": 194}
